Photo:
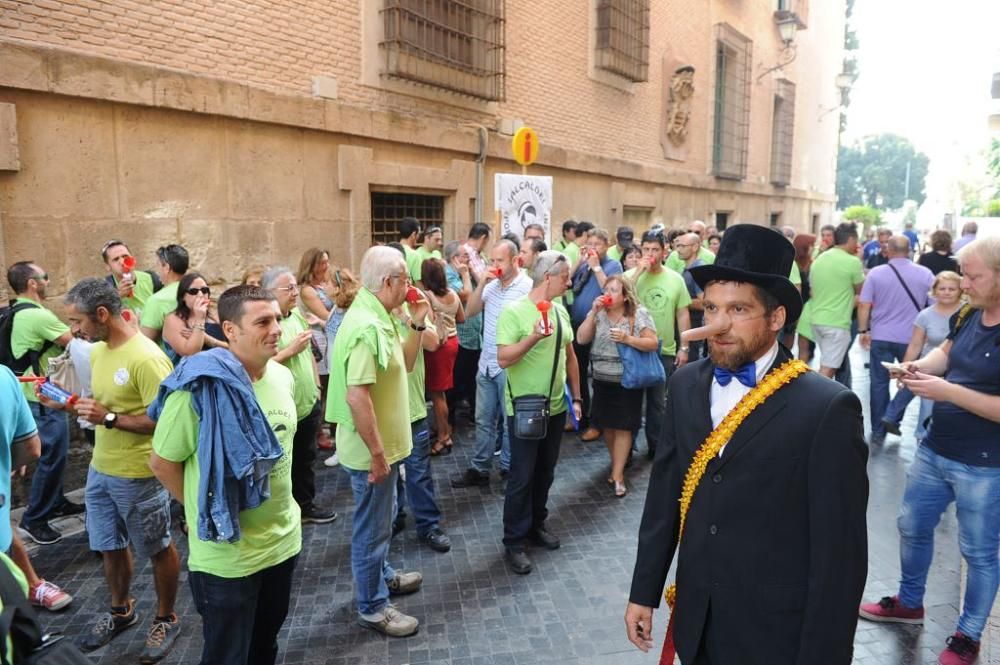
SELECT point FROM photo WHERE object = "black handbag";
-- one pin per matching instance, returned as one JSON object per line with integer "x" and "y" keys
{"x": 531, "y": 412}
{"x": 19, "y": 622}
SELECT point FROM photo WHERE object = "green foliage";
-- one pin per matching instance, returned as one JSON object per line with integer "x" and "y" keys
{"x": 873, "y": 173}
{"x": 993, "y": 163}
{"x": 993, "y": 208}
{"x": 868, "y": 216}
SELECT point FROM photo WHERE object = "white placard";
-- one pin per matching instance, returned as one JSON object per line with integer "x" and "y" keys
{"x": 523, "y": 200}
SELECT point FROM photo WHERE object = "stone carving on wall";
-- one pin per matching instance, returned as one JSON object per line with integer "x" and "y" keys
{"x": 678, "y": 94}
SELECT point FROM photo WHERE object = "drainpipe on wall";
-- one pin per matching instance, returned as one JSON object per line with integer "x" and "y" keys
{"x": 484, "y": 139}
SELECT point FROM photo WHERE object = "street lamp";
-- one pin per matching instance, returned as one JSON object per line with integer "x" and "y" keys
{"x": 788, "y": 24}
{"x": 843, "y": 81}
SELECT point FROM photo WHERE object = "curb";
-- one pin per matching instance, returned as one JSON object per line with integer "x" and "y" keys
{"x": 67, "y": 526}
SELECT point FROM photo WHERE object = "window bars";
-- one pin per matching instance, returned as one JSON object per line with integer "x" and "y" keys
{"x": 390, "y": 207}
{"x": 732, "y": 103}
{"x": 782, "y": 132}
{"x": 456, "y": 45}
{"x": 623, "y": 38}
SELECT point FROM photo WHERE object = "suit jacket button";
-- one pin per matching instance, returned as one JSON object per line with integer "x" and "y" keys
{"x": 717, "y": 478}
{"x": 713, "y": 529}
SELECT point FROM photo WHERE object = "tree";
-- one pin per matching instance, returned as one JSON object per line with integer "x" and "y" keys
{"x": 864, "y": 215}
{"x": 874, "y": 173}
{"x": 993, "y": 164}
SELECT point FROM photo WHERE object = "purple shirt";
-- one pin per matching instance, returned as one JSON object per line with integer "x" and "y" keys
{"x": 893, "y": 313}
{"x": 962, "y": 242}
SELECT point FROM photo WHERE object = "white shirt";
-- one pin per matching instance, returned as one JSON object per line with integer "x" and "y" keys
{"x": 495, "y": 297}
{"x": 723, "y": 398}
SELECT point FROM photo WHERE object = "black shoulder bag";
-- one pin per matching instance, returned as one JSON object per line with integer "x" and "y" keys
{"x": 531, "y": 412}
{"x": 907, "y": 289}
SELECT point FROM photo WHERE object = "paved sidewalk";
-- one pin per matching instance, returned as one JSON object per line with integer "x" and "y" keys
{"x": 473, "y": 611}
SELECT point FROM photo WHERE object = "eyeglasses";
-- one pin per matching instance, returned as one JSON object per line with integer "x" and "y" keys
{"x": 293, "y": 288}
{"x": 404, "y": 277}
{"x": 42, "y": 277}
{"x": 195, "y": 291}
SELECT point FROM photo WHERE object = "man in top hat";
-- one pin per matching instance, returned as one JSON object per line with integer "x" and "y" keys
{"x": 773, "y": 556}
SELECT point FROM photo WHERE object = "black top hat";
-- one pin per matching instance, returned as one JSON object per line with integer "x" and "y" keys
{"x": 755, "y": 255}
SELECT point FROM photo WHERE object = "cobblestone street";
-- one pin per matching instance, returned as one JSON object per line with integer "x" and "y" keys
{"x": 472, "y": 610}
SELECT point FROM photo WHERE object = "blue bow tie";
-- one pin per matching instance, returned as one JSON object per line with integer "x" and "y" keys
{"x": 747, "y": 375}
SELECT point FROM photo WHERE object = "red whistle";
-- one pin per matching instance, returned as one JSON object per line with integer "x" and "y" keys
{"x": 544, "y": 306}
{"x": 126, "y": 315}
{"x": 498, "y": 272}
{"x": 607, "y": 300}
{"x": 412, "y": 294}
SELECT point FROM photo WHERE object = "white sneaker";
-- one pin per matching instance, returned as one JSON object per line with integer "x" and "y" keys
{"x": 332, "y": 460}
{"x": 392, "y": 623}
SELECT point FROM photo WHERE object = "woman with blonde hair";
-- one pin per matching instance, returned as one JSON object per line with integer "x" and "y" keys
{"x": 315, "y": 304}
{"x": 930, "y": 330}
{"x": 616, "y": 318}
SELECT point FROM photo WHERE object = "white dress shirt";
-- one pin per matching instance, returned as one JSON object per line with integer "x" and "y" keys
{"x": 723, "y": 398}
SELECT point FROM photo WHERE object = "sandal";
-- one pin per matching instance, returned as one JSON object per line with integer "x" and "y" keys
{"x": 440, "y": 449}
{"x": 620, "y": 490}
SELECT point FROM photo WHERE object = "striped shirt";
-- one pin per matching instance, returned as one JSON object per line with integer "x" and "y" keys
{"x": 470, "y": 333}
{"x": 495, "y": 298}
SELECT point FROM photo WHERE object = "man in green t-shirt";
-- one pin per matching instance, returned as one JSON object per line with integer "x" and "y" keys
{"x": 409, "y": 231}
{"x": 134, "y": 286}
{"x": 295, "y": 353}
{"x": 368, "y": 366}
{"x": 568, "y": 236}
{"x": 538, "y": 360}
{"x": 242, "y": 587}
{"x": 173, "y": 264}
{"x": 125, "y": 503}
{"x": 37, "y": 336}
{"x": 665, "y": 295}
{"x": 835, "y": 279}
{"x": 623, "y": 238}
{"x": 431, "y": 247}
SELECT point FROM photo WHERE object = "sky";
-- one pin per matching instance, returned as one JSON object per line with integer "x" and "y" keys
{"x": 925, "y": 69}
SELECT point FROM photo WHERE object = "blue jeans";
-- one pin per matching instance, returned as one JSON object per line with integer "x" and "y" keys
{"x": 932, "y": 483}
{"x": 374, "y": 510}
{"x": 46, "y": 492}
{"x": 241, "y": 616}
{"x": 656, "y": 407}
{"x": 489, "y": 407}
{"x": 879, "y": 389}
{"x": 419, "y": 485}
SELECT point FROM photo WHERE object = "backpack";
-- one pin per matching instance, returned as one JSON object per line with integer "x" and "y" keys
{"x": 31, "y": 359}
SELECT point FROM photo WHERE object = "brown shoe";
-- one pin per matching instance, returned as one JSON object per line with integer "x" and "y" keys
{"x": 592, "y": 434}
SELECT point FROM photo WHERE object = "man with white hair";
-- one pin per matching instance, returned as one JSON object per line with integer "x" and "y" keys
{"x": 538, "y": 360}
{"x": 503, "y": 283}
{"x": 368, "y": 368}
{"x": 958, "y": 460}
{"x": 295, "y": 353}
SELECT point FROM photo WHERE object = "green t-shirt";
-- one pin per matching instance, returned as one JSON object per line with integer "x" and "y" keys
{"x": 126, "y": 380}
{"x": 415, "y": 385}
{"x": 413, "y": 262}
{"x": 614, "y": 253}
{"x": 662, "y": 293}
{"x": 532, "y": 374}
{"x": 270, "y": 533}
{"x": 158, "y": 306}
{"x": 676, "y": 263}
{"x": 142, "y": 291}
{"x": 389, "y": 391}
{"x": 571, "y": 251}
{"x": 832, "y": 279}
{"x": 794, "y": 276}
{"x": 32, "y": 328}
{"x": 424, "y": 254}
{"x": 300, "y": 365}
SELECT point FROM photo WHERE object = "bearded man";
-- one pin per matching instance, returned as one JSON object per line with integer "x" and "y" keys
{"x": 770, "y": 535}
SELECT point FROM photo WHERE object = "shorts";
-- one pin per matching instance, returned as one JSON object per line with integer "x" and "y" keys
{"x": 127, "y": 510}
{"x": 833, "y": 344}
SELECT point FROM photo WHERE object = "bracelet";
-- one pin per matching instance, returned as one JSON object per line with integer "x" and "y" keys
{"x": 577, "y": 400}
{"x": 865, "y": 331}
{"x": 416, "y": 327}
{"x": 198, "y": 326}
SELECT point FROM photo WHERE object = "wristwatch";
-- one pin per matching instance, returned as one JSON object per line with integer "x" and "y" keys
{"x": 598, "y": 269}
{"x": 685, "y": 349}
{"x": 110, "y": 419}
{"x": 865, "y": 331}
{"x": 416, "y": 327}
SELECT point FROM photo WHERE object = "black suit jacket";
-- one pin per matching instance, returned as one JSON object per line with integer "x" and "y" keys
{"x": 775, "y": 548}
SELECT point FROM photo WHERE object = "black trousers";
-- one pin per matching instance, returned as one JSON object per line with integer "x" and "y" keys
{"x": 303, "y": 456}
{"x": 532, "y": 470}
{"x": 466, "y": 366}
{"x": 241, "y": 616}
{"x": 583, "y": 361}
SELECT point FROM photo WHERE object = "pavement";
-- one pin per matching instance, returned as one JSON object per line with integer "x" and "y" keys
{"x": 473, "y": 611}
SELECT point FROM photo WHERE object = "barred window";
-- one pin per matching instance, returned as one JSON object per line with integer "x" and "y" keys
{"x": 457, "y": 45}
{"x": 732, "y": 103}
{"x": 390, "y": 207}
{"x": 623, "y": 38}
{"x": 782, "y": 132}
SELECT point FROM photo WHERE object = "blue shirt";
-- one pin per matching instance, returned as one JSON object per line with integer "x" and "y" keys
{"x": 871, "y": 248}
{"x": 584, "y": 299}
{"x": 973, "y": 362}
{"x": 912, "y": 235}
{"x": 16, "y": 425}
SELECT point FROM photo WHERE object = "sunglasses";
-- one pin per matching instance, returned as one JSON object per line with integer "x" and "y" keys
{"x": 195, "y": 291}
{"x": 43, "y": 277}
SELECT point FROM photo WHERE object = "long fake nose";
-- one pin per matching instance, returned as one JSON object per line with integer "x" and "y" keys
{"x": 718, "y": 326}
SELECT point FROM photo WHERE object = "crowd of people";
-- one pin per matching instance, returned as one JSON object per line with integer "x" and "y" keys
{"x": 215, "y": 407}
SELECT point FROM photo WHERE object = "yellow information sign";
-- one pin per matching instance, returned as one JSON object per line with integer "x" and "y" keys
{"x": 525, "y": 146}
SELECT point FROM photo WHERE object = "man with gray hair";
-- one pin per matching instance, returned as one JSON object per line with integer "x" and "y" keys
{"x": 538, "y": 359}
{"x": 969, "y": 231}
{"x": 125, "y": 502}
{"x": 368, "y": 386}
{"x": 502, "y": 284}
{"x": 295, "y": 353}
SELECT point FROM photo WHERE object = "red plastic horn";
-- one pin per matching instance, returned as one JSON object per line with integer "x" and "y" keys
{"x": 544, "y": 306}
{"x": 129, "y": 263}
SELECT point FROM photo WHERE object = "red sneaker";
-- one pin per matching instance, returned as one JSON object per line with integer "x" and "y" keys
{"x": 961, "y": 650}
{"x": 889, "y": 610}
{"x": 48, "y": 595}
